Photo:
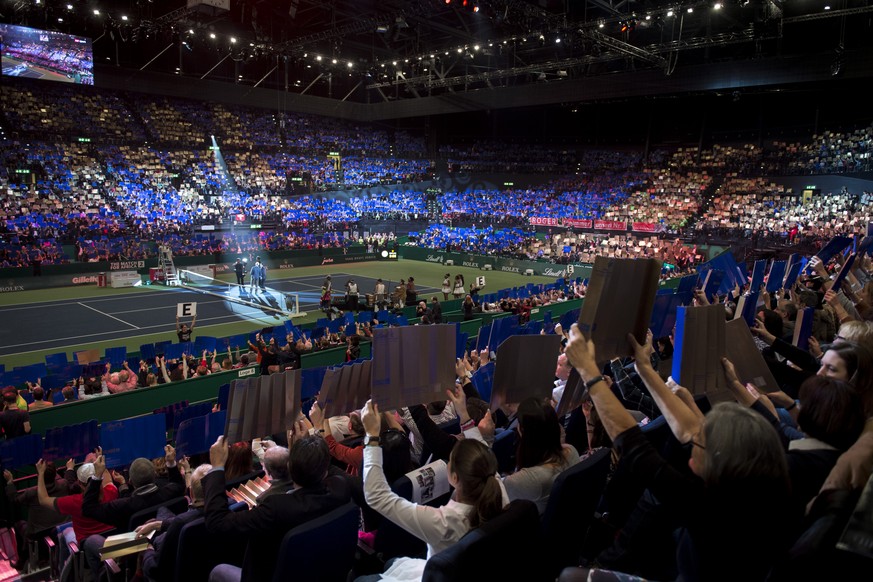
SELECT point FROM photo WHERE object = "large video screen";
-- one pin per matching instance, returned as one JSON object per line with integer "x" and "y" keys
{"x": 44, "y": 54}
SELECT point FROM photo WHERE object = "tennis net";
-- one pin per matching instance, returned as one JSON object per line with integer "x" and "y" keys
{"x": 267, "y": 300}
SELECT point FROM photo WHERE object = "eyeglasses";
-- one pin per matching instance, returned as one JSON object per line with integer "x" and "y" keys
{"x": 696, "y": 444}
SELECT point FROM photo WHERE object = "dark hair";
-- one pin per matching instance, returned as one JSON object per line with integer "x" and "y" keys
{"x": 38, "y": 393}
{"x": 355, "y": 423}
{"x": 51, "y": 472}
{"x": 309, "y": 459}
{"x": 475, "y": 466}
{"x": 830, "y": 411}
{"x": 476, "y": 408}
{"x": 540, "y": 440}
{"x": 68, "y": 392}
{"x": 10, "y": 396}
{"x": 396, "y": 456}
{"x": 239, "y": 461}
{"x": 859, "y": 369}
{"x": 773, "y": 322}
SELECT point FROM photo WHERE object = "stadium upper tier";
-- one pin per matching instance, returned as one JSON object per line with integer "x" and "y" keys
{"x": 78, "y": 164}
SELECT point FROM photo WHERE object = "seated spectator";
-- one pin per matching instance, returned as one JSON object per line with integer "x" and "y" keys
{"x": 540, "y": 457}
{"x": 240, "y": 463}
{"x": 13, "y": 421}
{"x": 83, "y": 527}
{"x": 264, "y": 525}
{"x": 39, "y": 401}
{"x": 69, "y": 395}
{"x": 275, "y": 463}
{"x": 478, "y": 497}
{"x": 40, "y": 520}
{"x": 123, "y": 381}
{"x": 145, "y": 494}
{"x": 735, "y": 500}
{"x": 158, "y": 563}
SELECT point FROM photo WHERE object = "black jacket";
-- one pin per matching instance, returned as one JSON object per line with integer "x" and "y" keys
{"x": 118, "y": 513}
{"x": 265, "y": 525}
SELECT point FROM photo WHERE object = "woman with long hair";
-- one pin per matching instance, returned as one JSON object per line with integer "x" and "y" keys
{"x": 478, "y": 497}
{"x": 540, "y": 456}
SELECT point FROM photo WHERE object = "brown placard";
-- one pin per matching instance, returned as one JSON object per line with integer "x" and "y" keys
{"x": 699, "y": 349}
{"x": 412, "y": 364}
{"x": 746, "y": 357}
{"x": 87, "y": 356}
{"x": 619, "y": 300}
{"x": 525, "y": 367}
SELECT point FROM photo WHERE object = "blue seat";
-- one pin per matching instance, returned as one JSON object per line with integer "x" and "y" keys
{"x": 322, "y": 549}
{"x": 500, "y": 549}
{"x": 570, "y": 511}
{"x": 504, "y": 448}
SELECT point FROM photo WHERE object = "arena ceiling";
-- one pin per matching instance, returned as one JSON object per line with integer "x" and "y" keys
{"x": 384, "y": 51}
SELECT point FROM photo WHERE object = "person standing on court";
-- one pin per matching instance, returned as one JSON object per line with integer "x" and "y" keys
{"x": 352, "y": 295}
{"x": 255, "y": 274}
{"x": 447, "y": 286}
{"x": 262, "y": 277}
{"x": 326, "y": 287}
{"x": 379, "y": 293}
{"x": 183, "y": 331}
{"x": 239, "y": 269}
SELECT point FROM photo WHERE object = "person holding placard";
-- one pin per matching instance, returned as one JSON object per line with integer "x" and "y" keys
{"x": 184, "y": 331}
{"x": 478, "y": 497}
{"x": 734, "y": 504}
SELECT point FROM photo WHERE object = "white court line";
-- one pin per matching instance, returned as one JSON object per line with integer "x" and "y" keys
{"x": 107, "y": 315}
{"x": 126, "y": 337}
{"x": 65, "y": 302}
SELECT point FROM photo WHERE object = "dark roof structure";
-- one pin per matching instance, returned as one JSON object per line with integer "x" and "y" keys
{"x": 435, "y": 56}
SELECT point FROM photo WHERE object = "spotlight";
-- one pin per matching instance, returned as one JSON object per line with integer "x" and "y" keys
{"x": 211, "y": 35}
{"x": 475, "y": 9}
{"x": 124, "y": 17}
{"x": 96, "y": 12}
{"x": 232, "y": 40}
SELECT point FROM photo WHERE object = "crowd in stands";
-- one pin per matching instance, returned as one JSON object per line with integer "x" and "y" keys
{"x": 753, "y": 207}
{"x": 680, "y": 477}
{"x": 75, "y": 192}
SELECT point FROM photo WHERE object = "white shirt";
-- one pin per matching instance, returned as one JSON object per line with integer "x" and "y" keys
{"x": 438, "y": 527}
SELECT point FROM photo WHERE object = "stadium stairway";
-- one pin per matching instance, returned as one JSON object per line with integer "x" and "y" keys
{"x": 706, "y": 201}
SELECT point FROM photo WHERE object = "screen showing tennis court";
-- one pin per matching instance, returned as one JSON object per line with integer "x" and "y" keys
{"x": 44, "y": 54}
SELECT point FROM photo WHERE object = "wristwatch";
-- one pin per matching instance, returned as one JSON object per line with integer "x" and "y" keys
{"x": 368, "y": 440}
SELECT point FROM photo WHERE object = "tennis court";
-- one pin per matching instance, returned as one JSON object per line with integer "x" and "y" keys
{"x": 58, "y": 324}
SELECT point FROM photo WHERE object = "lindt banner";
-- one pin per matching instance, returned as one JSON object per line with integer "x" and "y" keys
{"x": 610, "y": 225}
{"x": 643, "y": 226}
{"x": 578, "y": 223}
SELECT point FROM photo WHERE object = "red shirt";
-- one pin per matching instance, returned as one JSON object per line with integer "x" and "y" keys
{"x": 84, "y": 526}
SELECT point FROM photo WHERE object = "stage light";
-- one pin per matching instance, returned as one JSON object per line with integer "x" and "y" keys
{"x": 233, "y": 40}
{"x": 211, "y": 35}
{"x": 124, "y": 17}
{"x": 96, "y": 12}
{"x": 475, "y": 9}
{"x": 318, "y": 58}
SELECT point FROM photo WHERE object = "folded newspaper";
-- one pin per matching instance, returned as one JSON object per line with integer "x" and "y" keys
{"x": 125, "y": 544}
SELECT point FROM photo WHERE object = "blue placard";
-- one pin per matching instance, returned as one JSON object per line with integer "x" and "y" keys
{"x": 844, "y": 271}
{"x": 483, "y": 379}
{"x": 803, "y": 327}
{"x": 713, "y": 282}
{"x": 71, "y": 442}
{"x": 126, "y": 440}
{"x": 205, "y": 342}
{"x": 147, "y": 352}
{"x": 461, "y": 344}
{"x": 190, "y": 411}
{"x": 835, "y": 246}
{"x": 482, "y": 339}
{"x": 793, "y": 273}
{"x": 21, "y": 451}
{"x": 310, "y": 381}
{"x": 776, "y": 276}
{"x": 866, "y": 245}
{"x": 750, "y": 307}
{"x": 664, "y": 314}
{"x": 758, "y": 272}
{"x": 116, "y": 356}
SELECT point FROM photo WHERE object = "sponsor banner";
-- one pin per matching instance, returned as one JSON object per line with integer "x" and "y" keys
{"x": 126, "y": 265}
{"x": 124, "y": 279}
{"x": 643, "y": 226}
{"x": 610, "y": 225}
{"x": 544, "y": 221}
{"x": 542, "y": 268}
{"x": 578, "y": 223}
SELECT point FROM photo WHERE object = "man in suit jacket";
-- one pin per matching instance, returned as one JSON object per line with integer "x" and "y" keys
{"x": 145, "y": 494}
{"x": 265, "y": 525}
{"x": 160, "y": 563}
